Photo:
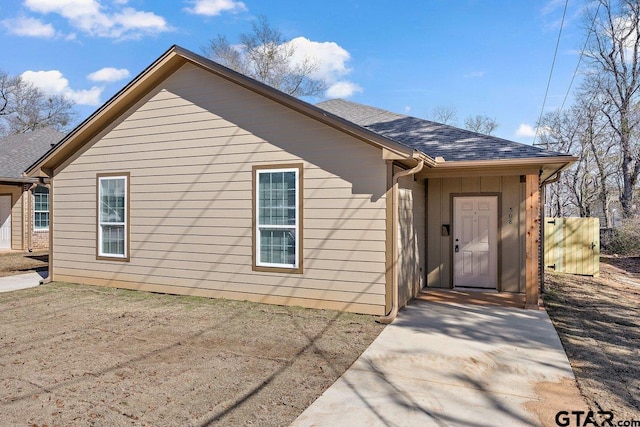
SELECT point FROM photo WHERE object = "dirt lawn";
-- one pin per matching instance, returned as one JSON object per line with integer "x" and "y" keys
{"x": 598, "y": 320}
{"x": 23, "y": 262}
{"x": 79, "y": 355}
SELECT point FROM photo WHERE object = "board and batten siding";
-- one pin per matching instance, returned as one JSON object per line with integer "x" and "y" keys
{"x": 511, "y": 225}
{"x": 190, "y": 146}
{"x": 411, "y": 238}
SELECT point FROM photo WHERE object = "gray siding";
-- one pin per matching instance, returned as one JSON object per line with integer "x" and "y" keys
{"x": 190, "y": 146}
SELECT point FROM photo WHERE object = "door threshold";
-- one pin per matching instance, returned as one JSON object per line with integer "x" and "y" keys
{"x": 475, "y": 289}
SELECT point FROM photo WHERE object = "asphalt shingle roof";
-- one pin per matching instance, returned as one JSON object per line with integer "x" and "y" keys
{"x": 18, "y": 152}
{"x": 431, "y": 138}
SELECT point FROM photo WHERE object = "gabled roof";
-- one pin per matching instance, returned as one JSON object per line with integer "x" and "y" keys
{"x": 171, "y": 61}
{"x": 18, "y": 152}
{"x": 400, "y": 137}
{"x": 431, "y": 138}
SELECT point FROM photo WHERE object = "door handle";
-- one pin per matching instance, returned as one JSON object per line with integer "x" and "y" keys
{"x": 457, "y": 248}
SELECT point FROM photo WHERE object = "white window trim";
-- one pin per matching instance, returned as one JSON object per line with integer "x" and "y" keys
{"x": 295, "y": 227}
{"x": 124, "y": 223}
{"x": 43, "y": 229}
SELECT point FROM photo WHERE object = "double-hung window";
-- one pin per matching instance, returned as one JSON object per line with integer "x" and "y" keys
{"x": 41, "y": 208}
{"x": 278, "y": 218}
{"x": 113, "y": 218}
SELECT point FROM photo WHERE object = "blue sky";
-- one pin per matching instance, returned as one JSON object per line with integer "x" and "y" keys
{"x": 488, "y": 57}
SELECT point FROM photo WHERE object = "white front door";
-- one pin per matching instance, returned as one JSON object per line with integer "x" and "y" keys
{"x": 5, "y": 222}
{"x": 475, "y": 242}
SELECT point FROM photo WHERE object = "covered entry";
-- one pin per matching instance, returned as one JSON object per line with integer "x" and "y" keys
{"x": 475, "y": 240}
{"x": 495, "y": 228}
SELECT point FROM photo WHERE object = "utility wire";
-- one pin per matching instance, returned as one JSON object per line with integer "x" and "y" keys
{"x": 553, "y": 63}
{"x": 575, "y": 72}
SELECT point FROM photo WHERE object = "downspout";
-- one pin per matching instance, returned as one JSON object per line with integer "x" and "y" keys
{"x": 48, "y": 185}
{"x": 30, "y": 217}
{"x": 543, "y": 195}
{"x": 394, "y": 242}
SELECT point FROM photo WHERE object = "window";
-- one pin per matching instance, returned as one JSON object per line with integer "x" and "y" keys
{"x": 113, "y": 221}
{"x": 278, "y": 218}
{"x": 41, "y": 208}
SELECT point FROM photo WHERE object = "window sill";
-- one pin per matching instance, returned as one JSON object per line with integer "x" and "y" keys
{"x": 289, "y": 270}
{"x": 112, "y": 258}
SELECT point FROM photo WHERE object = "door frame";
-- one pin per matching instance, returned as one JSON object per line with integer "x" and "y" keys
{"x": 10, "y": 196}
{"x": 499, "y": 215}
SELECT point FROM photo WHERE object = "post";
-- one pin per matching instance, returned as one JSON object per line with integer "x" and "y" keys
{"x": 532, "y": 240}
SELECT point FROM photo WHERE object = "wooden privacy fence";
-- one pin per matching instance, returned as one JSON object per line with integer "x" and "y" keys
{"x": 572, "y": 245}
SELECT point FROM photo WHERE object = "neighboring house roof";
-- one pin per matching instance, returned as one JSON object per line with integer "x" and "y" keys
{"x": 431, "y": 138}
{"x": 18, "y": 152}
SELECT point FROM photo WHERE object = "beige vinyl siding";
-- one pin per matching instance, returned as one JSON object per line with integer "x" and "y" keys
{"x": 411, "y": 238}
{"x": 17, "y": 220}
{"x": 511, "y": 262}
{"x": 190, "y": 147}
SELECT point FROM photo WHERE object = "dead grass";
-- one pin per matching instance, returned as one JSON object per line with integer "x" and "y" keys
{"x": 598, "y": 320}
{"x": 12, "y": 263}
{"x": 82, "y": 355}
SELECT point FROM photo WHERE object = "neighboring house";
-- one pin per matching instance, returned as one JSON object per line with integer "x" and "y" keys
{"x": 24, "y": 205}
{"x": 196, "y": 180}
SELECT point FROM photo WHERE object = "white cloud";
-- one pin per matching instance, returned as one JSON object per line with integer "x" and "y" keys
{"x": 216, "y": 7}
{"x": 86, "y": 96}
{"x": 525, "y": 131}
{"x": 53, "y": 82}
{"x": 331, "y": 60}
{"x": 131, "y": 20}
{"x": 330, "y": 57}
{"x": 96, "y": 19}
{"x": 109, "y": 74}
{"x": 407, "y": 109}
{"x": 29, "y": 27}
{"x": 342, "y": 89}
{"x": 551, "y": 6}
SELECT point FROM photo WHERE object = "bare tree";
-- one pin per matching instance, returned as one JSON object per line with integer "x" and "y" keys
{"x": 614, "y": 56}
{"x": 445, "y": 114}
{"x": 265, "y": 55}
{"x": 561, "y": 133}
{"x": 481, "y": 124}
{"x": 588, "y": 187}
{"x": 24, "y": 107}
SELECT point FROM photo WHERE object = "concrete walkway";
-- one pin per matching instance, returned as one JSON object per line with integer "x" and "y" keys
{"x": 22, "y": 281}
{"x": 445, "y": 364}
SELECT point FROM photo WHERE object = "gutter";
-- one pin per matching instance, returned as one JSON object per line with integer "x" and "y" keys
{"x": 533, "y": 161}
{"x": 394, "y": 242}
{"x": 555, "y": 177}
{"x": 30, "y": 218}
{"x": 18, "y": 180}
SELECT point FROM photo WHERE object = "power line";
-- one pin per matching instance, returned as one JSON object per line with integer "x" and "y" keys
{"x": 575, "y": 72}
{"x": 553, "y": 63}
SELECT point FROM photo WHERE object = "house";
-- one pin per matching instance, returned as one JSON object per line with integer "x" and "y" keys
{"x": 197, "y": 180}
{"x": 24, "y": 205}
